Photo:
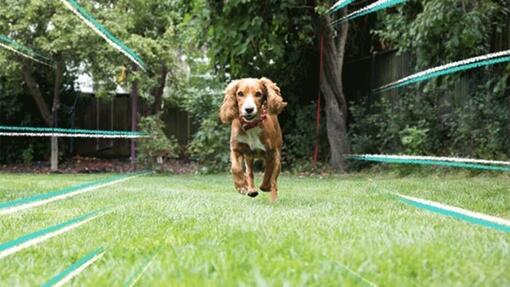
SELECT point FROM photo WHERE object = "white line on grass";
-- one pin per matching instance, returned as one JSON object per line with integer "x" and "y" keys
{"x": 75, "y": 269}
{"x": 459, "y": 213}
{"x": 37, "y": 237}
{"x": 29, "y": 204}
{"x": 356, "y": 274}
{"x": 138, "y": 273}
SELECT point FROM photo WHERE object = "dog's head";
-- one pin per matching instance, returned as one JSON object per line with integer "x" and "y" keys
{"x": 248, "y": 98}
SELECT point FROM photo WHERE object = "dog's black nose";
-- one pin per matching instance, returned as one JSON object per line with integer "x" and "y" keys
{"x": 249, "y": 110}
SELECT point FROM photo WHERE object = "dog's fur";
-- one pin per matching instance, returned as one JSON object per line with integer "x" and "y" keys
{"x": 259, "y": 138}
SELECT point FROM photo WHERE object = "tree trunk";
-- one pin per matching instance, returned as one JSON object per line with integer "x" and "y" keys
{"x": 49, "y": 117}
{"x": 332, "y": 90}
{"x": 59, "y": 74}
{"x": 158, "y": 91}
{"x": 35, "y": 92}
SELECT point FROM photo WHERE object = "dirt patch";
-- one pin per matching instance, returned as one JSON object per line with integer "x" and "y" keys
{"x": 98, "y": 165}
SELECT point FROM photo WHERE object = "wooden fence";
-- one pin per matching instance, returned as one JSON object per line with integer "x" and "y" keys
{"x": 115, "y": 114}
{"x": 363, "y": 75}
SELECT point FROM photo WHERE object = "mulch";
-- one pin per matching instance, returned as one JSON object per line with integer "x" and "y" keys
{"x": 98, "y": 165}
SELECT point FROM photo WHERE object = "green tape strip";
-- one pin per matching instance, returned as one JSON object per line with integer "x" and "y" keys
{"x": 446, "y": 71}
{"x": 457, "y": 215}
{"x": 73, "y": 131}
{"x": 339, "y": 5}
{"x": 374, "y": 7}
{"x": 69, "y": 270}
{"x": 66, "y": 190}
{"x": 429, "y": 162}
{"x": 10, "y": 44}
{"x": 42, "y": 232}
{"x": 104, "y": 32}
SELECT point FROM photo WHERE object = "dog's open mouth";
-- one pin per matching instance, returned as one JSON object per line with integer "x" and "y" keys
{"x": 249, "y": 118}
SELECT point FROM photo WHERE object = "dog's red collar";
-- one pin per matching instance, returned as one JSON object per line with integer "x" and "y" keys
{"x": 245, "y": 125}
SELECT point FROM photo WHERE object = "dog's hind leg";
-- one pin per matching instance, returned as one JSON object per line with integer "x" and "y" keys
{"x": 252, "y": 191}
{"x": 274, "y": 176}
{"x": 268, "y": 171}
{"x": 271, "y": 174}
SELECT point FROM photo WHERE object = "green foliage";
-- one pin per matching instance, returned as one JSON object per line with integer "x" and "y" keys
{"x": 48, "y": 27}
{"x": 157, "y": 146}
{"x": 246, "y": 38}
{"x": 261, "y": 35}
{"x": 300, "y": 137}
{"x": 201, "y": 95}
{"x": 438, "y": 118}
{"x": 417, "y": 124}
{"x": 275, "y": 39}
{"x": 481, "y": 126}
{"x": 440, "y": 31}
{"x": 210, "y": 145}
{"x": 28, "y": 155}
{"x": 10, "y": 105}
{"x": 414, "y": 139}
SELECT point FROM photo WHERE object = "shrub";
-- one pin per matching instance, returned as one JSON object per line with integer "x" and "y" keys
{"x": 210, "y": 145}
{"x": 416, "y": 124}
{"x": 154, "y": 149}
{"x": 464, "y": 114}
{"x": 299, "y": 132}
{"x": 201, "y": 96}
{"x": 28, "y": 155}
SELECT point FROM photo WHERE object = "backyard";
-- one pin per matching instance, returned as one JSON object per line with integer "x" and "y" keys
{"x": 195, "y": 230}
{"x": 378, "y": 133}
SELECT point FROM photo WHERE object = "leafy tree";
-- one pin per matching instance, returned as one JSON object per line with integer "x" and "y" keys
{"x": 434, "y": 117}
{"x": 149, "y": 27}
{"x": 441, "y": 31}
{"x": 279, "y": 39}
{"x": 51, "y": 29}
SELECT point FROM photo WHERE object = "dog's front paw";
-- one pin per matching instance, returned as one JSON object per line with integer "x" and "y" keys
{"x": 242, "y": 190}
{"x": 247, "y": 191}
{"x": 252, "y": 193}
{"x": 265, "y": 188}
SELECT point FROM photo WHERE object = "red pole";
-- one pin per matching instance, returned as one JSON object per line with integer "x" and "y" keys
{"x": 134, "y": 119}
{"x": 318, "y": 110}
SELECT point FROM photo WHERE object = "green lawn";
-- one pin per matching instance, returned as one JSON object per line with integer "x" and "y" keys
{"x": 322, "y": 232}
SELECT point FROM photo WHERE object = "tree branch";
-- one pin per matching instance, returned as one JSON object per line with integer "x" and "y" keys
{"x": 35, "y": 92}
{"x": 158, "y": 91}
{"x": 59, "y": 75}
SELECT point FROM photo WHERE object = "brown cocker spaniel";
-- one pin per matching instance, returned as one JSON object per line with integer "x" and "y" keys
{"x": 252, "y": 105}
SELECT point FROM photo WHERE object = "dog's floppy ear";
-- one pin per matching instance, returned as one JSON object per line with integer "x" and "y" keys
{"x": 275, "y": 103}
{"x": 229, "y": 110}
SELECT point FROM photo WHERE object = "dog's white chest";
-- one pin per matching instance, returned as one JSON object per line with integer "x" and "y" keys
{"x": 252, "y": 138}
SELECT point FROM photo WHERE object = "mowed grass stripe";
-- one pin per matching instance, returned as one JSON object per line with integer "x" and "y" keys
{"x": 458, "y": 213}
{"x": 34, "y": 238}
{"x": 72, "y": 271}
{"x": 41, "y": 199}
{"x": 137, "y": 274}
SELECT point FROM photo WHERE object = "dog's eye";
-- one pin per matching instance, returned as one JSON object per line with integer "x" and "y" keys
{"x": 240, "y": 94}
{"x": 258, "y": 94}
